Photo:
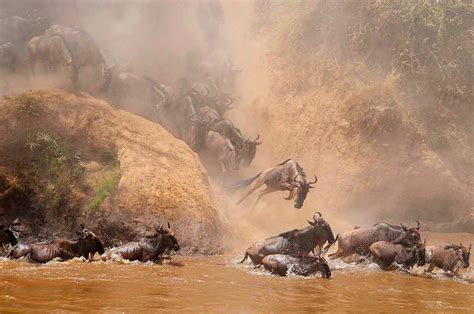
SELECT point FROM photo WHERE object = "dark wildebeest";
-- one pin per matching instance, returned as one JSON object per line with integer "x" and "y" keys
{"x": 146, "y": 249}
{"x": 287, "y": 176}
{"x": 386, "y": 253}
{"x": 9, "y": 235}
{"x": 86, "y": 245}
{"x": 207, "y": 93}
{"x": 295, "y": 242}
{"x": 7, "y": 58}
{"x": 357, "y": 241}
{"x": 73, "y": 49}
{"x": 448, "y": 257}
{"x": 222, "y": 150}
{"x": 244, "y": 147}
{"x": 281, "y": 264}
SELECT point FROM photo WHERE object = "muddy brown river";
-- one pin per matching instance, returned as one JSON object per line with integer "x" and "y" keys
{"x": 218, "y": 283}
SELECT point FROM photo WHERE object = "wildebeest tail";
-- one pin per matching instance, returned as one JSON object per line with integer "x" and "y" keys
{"x": 245, "y": 257}
{"x": 282, "y": 163}
{"x": 240, "y": 184}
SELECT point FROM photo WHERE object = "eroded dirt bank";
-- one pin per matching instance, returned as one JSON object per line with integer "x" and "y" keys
{"x": 70, "y": 159}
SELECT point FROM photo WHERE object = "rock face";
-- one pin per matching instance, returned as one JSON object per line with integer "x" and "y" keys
{"x": 385, "y": 142}
{"x": 160, "y": 178}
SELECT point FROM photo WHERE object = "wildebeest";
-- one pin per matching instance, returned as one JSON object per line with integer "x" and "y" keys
{"x": 7, "y": 58}
{"x": 281, "y": 264}
{"x": 294, "y": 242}
{"x": 286, "y": 176}
{"x": 146, "y": 249}
{"x": 222, "y": 149}
{"x": 136, "y": 94}
{"x": 18, "y": 30}
{"x": 357, "y": 241}
{"x": 386, "y": 253}
{"x": 87, "y": 244}
{"x": 73, "y": 49}
{"x": 448, "y": 257}
{"x": 9, "y": 235}
{"x": 245, "y": 148}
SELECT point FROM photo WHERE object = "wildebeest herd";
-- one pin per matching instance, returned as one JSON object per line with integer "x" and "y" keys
{"x": 299, "y": 251}
{"x": 385, "y": 244}
{"x": 192, "y": 109}
{"x": 155, "y": 247}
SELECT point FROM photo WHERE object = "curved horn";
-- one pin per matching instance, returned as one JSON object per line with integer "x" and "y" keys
{"x": 256, "y": 139}
{"x": 470, "y": 246}
{"x": 418, "y": 224}
{"x": 82, "y": 227}
{"x": 161, "y": 227}
{"x": 230, "y": 102}
{"x": 169, "y": 226}
{"x": 319, "y": 214}
{"x": 315, "y": 180}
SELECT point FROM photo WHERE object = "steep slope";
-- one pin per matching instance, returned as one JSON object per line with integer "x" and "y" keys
{"x": 374, "y": 98}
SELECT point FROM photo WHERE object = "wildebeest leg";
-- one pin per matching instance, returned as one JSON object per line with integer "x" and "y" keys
{"x": 290, "y": 196}
{"x": 289, "y": 187}
{"x": 253, "y": 189}
{"x": 267, "y": 190}
{"x": 430, "y": 269}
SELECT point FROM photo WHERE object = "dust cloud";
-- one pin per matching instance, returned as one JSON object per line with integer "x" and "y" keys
{"x": 296, "y": 89}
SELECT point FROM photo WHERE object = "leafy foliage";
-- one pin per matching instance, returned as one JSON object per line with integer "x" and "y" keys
{"x": 54, "y": 168}
{"x": 107, "y": 184}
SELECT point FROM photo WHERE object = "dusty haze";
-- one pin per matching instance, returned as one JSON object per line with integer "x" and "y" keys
{"x": 347, "y": 117}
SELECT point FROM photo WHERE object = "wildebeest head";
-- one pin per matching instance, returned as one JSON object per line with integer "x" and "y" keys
{"x": 302, "y": 189}
{"x": 409, "y": 237}
{"x": 248, "y": 151}
{"x": 415, "y": 232}
{"x": 319, "y": 222}
{"x": 89, "y": 241}
{"x": 10, "y": 234}
{"x": 168, "y": 239}
{"x": 421, "y": 252}
{"x": 466, "y": 252}
{"x": 318, "y": 263}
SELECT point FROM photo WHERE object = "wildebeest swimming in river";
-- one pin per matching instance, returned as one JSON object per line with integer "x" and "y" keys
{"x": 357, "y": 241}
{"x": 286, "y": 176}
{"x": 295, "y": 242}
{"x": 146, "y": 249}
{"x": 386, "y": 253}
{"x": 87, "y": 244}
{"x": 280, "y": 264}
{"x": 449, "y": 257}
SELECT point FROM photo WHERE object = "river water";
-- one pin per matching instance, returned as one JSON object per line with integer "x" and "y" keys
{"x": 218, "y": 283}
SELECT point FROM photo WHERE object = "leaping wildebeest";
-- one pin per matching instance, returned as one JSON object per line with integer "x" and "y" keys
{"x": 146, "y": 249}
{"x": 298, "y": 242}
{"x": 281, "y": 264}
{"x": 85, "y": 246}
{"x": 357, "y": 241}
{"x": 286, "y": 176}
{"x": 449, "y": 257}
